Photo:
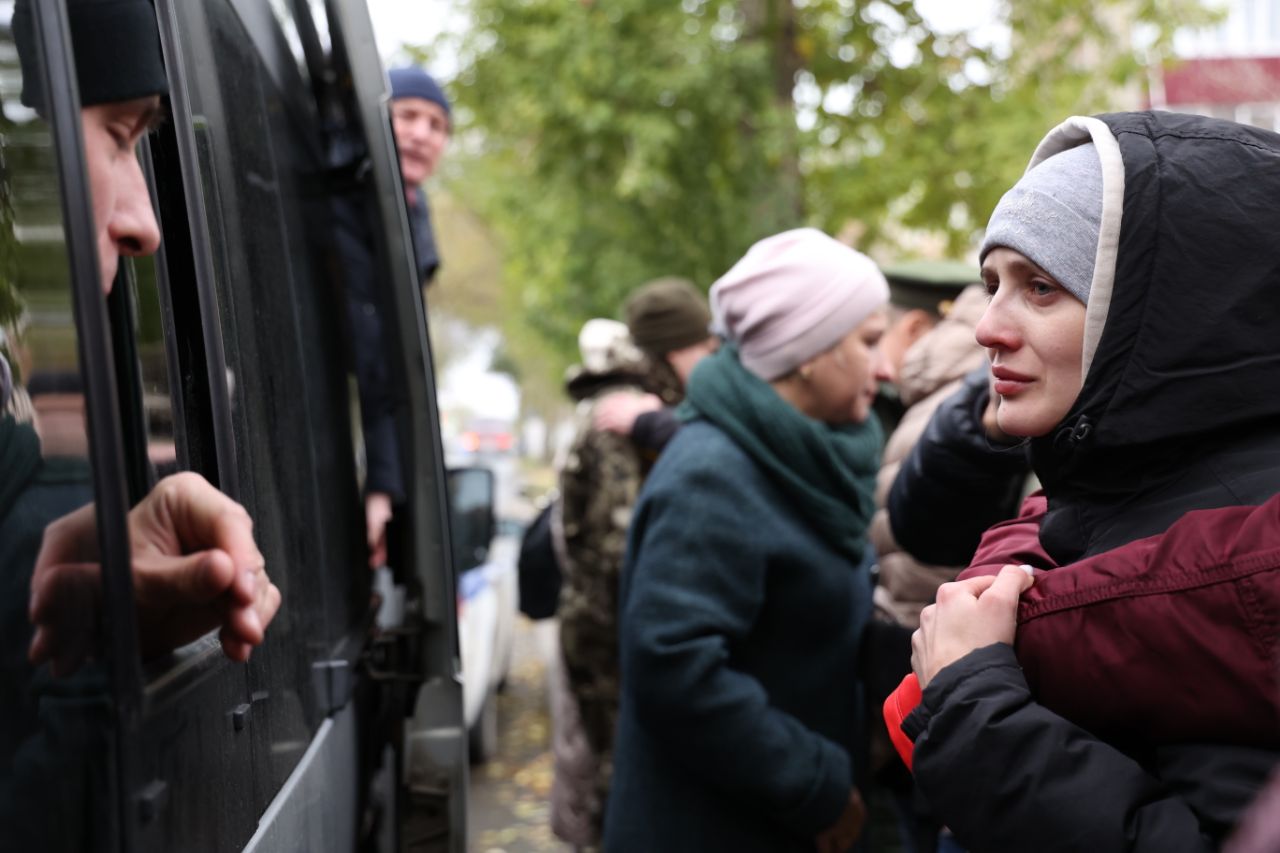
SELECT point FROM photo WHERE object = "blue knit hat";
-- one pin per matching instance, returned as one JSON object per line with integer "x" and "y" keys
{"x": 412, "y": 82}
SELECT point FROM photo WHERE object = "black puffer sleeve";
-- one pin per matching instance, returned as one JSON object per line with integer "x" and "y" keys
{"x": 1006, "y": 774}
{"x": 955, "y": 483}
{"x": 653, "y": 430}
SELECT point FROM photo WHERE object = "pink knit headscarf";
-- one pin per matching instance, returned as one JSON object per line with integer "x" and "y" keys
{"x": 793, "y": 296}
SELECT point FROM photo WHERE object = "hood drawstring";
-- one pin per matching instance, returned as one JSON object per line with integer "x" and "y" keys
{"x": 1071, "y": 436}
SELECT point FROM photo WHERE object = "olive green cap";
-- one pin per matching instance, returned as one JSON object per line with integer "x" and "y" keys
{"x": 667, "y": 314}
{"x": 926, "y": 284}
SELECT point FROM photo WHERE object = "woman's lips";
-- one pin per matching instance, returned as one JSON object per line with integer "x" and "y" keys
{"x": 1007, "y": 388}
{"x": 1009, "y": 382}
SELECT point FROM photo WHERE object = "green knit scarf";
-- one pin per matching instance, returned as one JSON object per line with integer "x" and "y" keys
{"x": 828, "y": 472}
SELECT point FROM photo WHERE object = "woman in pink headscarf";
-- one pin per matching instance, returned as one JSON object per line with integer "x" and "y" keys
{"x": 746, "y": 586}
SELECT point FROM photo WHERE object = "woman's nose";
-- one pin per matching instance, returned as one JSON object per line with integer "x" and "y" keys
{"x": 883, "y": 367}
{"x": 994, "y": 329}
{"x": 133, "y": 227}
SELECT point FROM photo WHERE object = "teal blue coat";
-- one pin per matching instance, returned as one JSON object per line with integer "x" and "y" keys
{"x": 739, "y": 639}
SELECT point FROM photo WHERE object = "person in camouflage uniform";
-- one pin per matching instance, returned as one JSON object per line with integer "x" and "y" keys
{"x": 599, "y": 484}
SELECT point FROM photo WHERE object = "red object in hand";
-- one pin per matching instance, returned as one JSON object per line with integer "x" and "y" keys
{"x": 901, "y": 702}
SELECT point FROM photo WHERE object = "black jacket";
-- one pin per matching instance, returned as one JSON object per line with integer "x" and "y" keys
{"x": 366, "y": 309}
{"x": 955, "y": 483}
{"x": 653, "y": 430}
{"x": 1007, "y": 774}
{"x": 426, "y": 255}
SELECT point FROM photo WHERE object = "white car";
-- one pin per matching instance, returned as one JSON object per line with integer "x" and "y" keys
{"x": 485, "y": 555}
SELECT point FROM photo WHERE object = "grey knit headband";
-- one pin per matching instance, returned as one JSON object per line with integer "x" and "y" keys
{"x": 1052, "y": 216}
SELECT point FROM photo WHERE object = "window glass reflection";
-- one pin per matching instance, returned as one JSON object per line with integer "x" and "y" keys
{"x": 157, "y": 400}
{"x": 55, "y": 715}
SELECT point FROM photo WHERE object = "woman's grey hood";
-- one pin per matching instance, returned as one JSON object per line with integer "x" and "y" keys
{"x": 1079, "y": 130}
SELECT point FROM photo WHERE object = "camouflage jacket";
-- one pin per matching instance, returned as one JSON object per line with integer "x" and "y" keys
{"x": 599, "y": 483}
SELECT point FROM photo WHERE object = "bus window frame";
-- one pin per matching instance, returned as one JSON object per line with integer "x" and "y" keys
{"x": 94, "y": 349}
{"x": 396, "y": 253}
{"x": 193, "y": 166}
{"x": 436, "y": 709}
{"x": 198, "y": 249}
{"x": 122, "y": 307}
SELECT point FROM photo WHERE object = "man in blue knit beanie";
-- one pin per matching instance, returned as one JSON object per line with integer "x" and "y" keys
{"x": 420, "y": 117}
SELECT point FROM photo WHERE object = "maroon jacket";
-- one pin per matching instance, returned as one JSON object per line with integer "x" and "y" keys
{"x": 1178, "y": 631}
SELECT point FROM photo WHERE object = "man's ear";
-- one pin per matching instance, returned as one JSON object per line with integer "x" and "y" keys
{"x": 916, "y": 323}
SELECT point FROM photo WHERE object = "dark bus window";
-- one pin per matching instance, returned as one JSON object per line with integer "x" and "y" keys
{"x": 261, "y": 168}
{"x": 57, "y": 723}
{"x": 154, "y": 371}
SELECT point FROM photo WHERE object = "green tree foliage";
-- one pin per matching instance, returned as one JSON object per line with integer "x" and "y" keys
{"x": 926, "y": 130}
{"x": 610, "y": 141}
{"x": 616, "y": 142}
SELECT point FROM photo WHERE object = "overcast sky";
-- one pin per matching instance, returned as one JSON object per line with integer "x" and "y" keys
{"x": 414, "y": 22}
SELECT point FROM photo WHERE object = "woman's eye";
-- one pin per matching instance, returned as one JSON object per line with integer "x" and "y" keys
{"x": 991, "y": 287}
{"x": 1043, "y": 288}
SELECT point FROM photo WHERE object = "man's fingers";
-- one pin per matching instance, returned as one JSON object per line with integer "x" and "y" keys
{"x": 245, "y": 627}
{"x": 71, "y": 539}
{"x": 200, "y": 516}
{"x": 64, "y": 655}
{"x": 248, "y": 624}
{"x": 234, "y": 648}
{"x": 377, "y": 546}
{"x": 66, "y": 590}
{"x": 269, "y": 605}
{"x": 190, "y": 579}
{"x": 38, "y": 652}
{"x": 244, "y": 624}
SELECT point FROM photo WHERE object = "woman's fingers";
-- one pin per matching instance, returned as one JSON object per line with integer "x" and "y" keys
{"x": 968, "y": 615}
{"x": 1007, "y": 587}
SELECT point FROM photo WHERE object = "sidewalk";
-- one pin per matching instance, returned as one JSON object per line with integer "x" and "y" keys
{"x": 509, "y": 798}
